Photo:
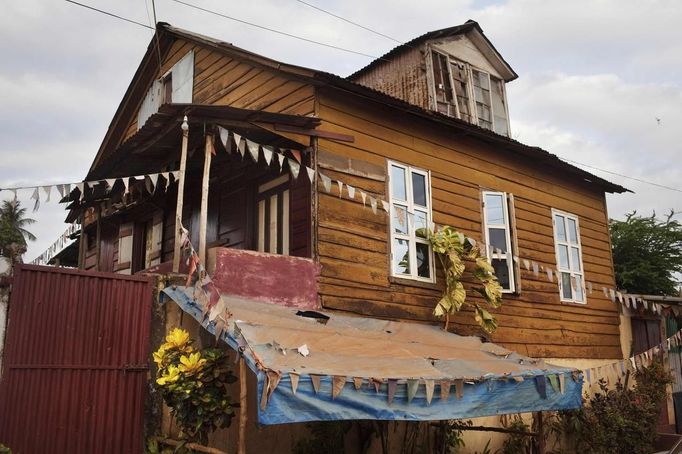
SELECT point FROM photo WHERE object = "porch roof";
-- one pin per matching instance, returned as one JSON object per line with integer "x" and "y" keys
{"x": 402, "y": 358}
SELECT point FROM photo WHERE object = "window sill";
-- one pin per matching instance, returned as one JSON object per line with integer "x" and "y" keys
{"x": 414, "y": 283}
{"x": 574, "y": 303}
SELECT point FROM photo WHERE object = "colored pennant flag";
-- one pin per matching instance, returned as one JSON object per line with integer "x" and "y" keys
{"x": 459, "y": 388}
{"x": 445, "y": 390}
{"x": 541, "y": 385}
{"x": 412, "y": 387}
{"x": 357, "y": 382}
{"x": 338, "y": 382}
{"x": 429, "y": 385}
{"x": 315, "y": 379}
{"x": 392, "y": 385}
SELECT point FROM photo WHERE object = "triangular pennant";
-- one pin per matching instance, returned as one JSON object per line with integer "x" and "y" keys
{"x": 429, "y": 385}
{"x": 357, "y": 382}
{"x": 311, "y": 174}
{"x": 79, "y": 186}
{"x": 296, "y": 154}
{"x": 412, "y": 387}
{"x": 562, "y": 383}
{"x": 273, "y": 380}
{"x": 373, "y": 204}
{"x": 541, "y": 385}
{"x": 110, "y": 183}
{"x": 148, "y": 184}
{"x": 48, "y": 192}
{"x": 385, "y": 206}
{"x": 224, "y": 136}
{"x": 268, "y": 151}
{"x": 338, "y": 382}
{"x": 340, "y": 183}
{"x": 589, "y": 287}
{"x": 253, "y": 148}
{"x": 526, "y": 264}
{"x": 126, "y": 184}
{"x": 326, "y": 182}
{"x": 392, "y": 386}
{"x": 315, "y": 379}
{"x": 281, "y": 158}
{"x": 166, "y": 177}
{"x": 36, "y": 196}
{"x": 351, "y": 191}
{"x": 554, "y": 381}
{"x": 294, "y": 167}
{"x": 536, "y": 269}
{"x": 60, "y": 189}
{"x": 176, "y": 175}
{"x": 459, "y": 388}
{"x": 550, "y": 275}
{"x": 238, "y": 143}
{"x": 154, "y": 178}
{"x": 364, "y": 198}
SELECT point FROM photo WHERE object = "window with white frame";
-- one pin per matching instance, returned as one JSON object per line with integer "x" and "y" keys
{"x": 410, "y": 199}
{"x": 465, "y": 92}
{"x": 569, "y": 257}
{"x": 497, "y": 225}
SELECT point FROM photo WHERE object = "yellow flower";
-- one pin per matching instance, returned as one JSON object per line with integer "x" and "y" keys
{"x": 178, "y": 338}
{"x": 192, "y": 363}
{"x": 171, "y": 376}
{"x": 160, "y": 355}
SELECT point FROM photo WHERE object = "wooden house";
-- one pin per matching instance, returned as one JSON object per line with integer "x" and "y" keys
{"x": 425, "y": 128}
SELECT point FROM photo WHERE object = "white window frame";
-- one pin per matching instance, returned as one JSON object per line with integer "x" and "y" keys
{"x": 507, "y": 255}
{"x": 411, "y": 233}
{"x": 571, "y": 270}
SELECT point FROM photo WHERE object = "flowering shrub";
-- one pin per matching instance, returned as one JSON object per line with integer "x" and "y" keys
{"x": 194, "y": 385}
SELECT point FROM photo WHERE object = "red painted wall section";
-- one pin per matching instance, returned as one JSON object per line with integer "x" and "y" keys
{"x": 277, "y": 279}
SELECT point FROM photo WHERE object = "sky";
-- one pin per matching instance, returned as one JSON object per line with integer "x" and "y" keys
{"x": 600, "y": 82}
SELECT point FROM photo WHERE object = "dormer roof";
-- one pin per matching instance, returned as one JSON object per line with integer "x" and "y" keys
{"x": 470, "y": 28}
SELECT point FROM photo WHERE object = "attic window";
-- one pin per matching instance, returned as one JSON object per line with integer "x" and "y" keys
{"x": 471, "y": 94}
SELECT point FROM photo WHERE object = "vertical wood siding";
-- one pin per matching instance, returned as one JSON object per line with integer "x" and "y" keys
{"x": 353, "y": 242}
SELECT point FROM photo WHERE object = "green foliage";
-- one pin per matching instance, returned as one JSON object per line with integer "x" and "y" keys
{"x": 194, "y": 385}
{"x": 326, "y": 438}
{"x": 647, "y": 252}
{"x": 453, "y": 248}
{"x": 13, "y": 232}
{"x": 618, "y": 420}
{"x": 517, "y": 443}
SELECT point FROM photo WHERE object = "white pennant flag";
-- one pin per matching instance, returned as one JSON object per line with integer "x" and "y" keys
{"x": 253, "y": 149}
{"x": 311, "y": 174}
{"x": 385, "y": 206}
{"x": 60, "y": 190}
{"x": 154, "y": 177}
{"x": 79, "y": 186}
{"x": 126, "y": 183}
{"x": 48, "y": 192}
{"x": 110, "y": 183}
{"x": 351, "y": 191}
{"x": 340, "y": 183}
{"x": 326, "y": 182}
{"x": 267, "y": 153}
{"x": 224, "y": 136}
{"x": 238, "y": 143}
{"x": 364, "y": 198}
{"x": 526, "y": 264}
{"x": 373, "y": 204}
{"x": 176, "y": 176}
{"x": 165, "y": 177}
{"x": 280, "y": 158}
{"x": 294, "y": 167}
{"x": 36, "y": 196}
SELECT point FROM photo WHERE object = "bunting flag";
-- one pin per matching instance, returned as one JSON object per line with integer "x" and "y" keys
{"x": 294, "y": 168}
{"x": 351, "y": 191}
{"x": 412, "y": 387}
{"x": 338, "y": 382}
{"x": 392, "y": 385}
{"x": 311, "y": 174}
{"x": 315, "y": 379}
{"x": 340, "y": 183}
{"x": 459, "y": 388}
{"x": 429, "y": 386}
{"x": 224, "y": 135}
{"x": 541, "y": 385}
{"x": 444, "y": 390}
{"x": 326, "y": 183}
{"x": 268, "y": 153}
{"x": 357, "y": 382}
{"x": 280, "y": 159}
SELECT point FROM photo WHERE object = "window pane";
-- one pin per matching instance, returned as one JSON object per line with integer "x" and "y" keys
{"x": 572, "y": 231}
{"x": 398, "y": 183}
{"x": 401, "y": 256}
{"x": 575, "y": 258}
{"x": 579, "y": 288}
{"x": 560, "y": 228}
{"x": 563, "y": 257}
{"x": 459, "y": 76}
{"x": 482, "y": 97}
{"x": 400, "y": 219}
{"x": 499, "y": 110}
{"x": 498, "y": 239}
{"x": 420, "y": 223}
{"x": 423, "y": 265}
{"x": 566, "y": 285}
{"x": 494, "y": 209}
{"x": 502, "y": 272}
{"x": 419, "y": 189}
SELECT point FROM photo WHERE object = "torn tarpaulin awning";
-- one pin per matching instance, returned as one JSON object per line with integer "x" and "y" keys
{"x": 364, "y": 368}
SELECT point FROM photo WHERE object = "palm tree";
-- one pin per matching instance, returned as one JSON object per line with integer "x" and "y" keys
{"x": 13, "y": 231}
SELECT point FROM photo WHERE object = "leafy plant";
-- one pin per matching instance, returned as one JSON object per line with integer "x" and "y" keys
{"x": 517, "y": 442}
{"x": 618, "y": 420}
{"x": 327, "y": 438}
{"x": 453, "y": 248}
{"x": 194, "y": 385}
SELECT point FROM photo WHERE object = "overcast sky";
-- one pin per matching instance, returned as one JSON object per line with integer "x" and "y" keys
{"x": 594, "y": 76}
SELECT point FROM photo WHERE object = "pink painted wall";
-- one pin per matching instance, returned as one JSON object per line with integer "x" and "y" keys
{"x": 277, "y": 279}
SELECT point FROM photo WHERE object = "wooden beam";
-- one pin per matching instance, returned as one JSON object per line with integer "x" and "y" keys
{"x": 203, "y": 214}
{"x": 181, "y": 192}
{"x": 98, "y": 245}
{"x": 81, "y": 244}
{"x": 241, "y": 447}
{"x": 315, "y": 133}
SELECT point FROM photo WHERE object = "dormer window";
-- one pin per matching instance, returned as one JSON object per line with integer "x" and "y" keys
{"x": 465, "y": 92}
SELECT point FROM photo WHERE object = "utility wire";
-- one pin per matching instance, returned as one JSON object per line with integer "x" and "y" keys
{"x": 624, "y": 176}
{"x": 111, "y": 14}
{"x": 350, "y": 22}
{"x": 279, "y": 32}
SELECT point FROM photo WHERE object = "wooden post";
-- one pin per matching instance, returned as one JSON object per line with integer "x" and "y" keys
{"x": 98, "y": 246}
{"x": 241, "y": 446}
{"x": 181, "y": 194}
{"x": 81, "y": 244}
{"x": 203, "y": 214}
{"x": 540, "y": 430}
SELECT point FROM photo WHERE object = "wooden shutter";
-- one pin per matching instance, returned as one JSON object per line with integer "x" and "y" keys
{"x": 125, "y": 248}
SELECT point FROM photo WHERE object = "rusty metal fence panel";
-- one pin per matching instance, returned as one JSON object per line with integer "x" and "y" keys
{"x": 75, "y": 364}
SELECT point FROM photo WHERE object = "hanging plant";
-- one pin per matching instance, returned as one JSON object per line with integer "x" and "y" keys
{"x": 452, "y": 249}
{"x": 194, "y": 385}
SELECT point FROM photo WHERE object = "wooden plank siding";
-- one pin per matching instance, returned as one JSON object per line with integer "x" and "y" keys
{"x": 353, "y": 243}
{"x": 222, "y": 80}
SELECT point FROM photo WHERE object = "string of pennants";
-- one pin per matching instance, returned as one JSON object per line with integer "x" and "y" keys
{"x": 617, "y": 370}
{"x": 56, "y": 247}
{"x": 151, "y": 181}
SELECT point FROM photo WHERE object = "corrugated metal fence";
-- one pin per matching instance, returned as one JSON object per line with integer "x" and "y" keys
{"x": 75, "y": 366}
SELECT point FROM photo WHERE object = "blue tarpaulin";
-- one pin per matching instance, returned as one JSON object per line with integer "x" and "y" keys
{"x": 463, "y": 376}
